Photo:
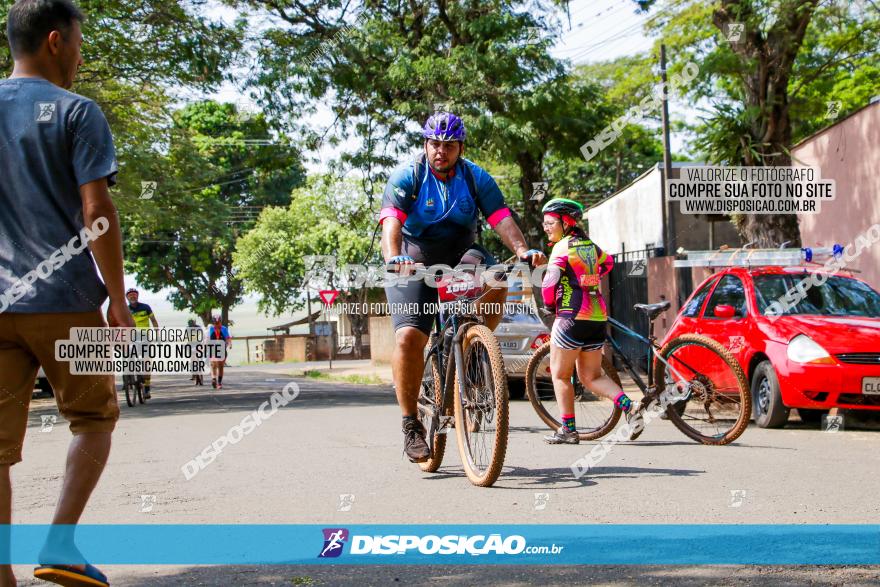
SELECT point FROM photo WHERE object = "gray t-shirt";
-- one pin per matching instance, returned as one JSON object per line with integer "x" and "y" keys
{"x": 51, "y": 142}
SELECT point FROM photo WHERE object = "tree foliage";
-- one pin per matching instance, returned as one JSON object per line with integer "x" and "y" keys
{"x": 139, "y": 59}
{"x": 770, "y": 85}
{"x": 383, "y": 67}
{"x": 326, "y": 216}
{"x": 225, "y": 168}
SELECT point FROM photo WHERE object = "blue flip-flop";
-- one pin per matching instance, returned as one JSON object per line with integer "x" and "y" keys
{"x": 69, "y": 576}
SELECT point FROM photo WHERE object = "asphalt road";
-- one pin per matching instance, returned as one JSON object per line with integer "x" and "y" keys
{"x": 334, "y": 454}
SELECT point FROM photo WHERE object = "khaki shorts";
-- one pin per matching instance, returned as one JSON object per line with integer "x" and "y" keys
{"x": 27, "y": 341}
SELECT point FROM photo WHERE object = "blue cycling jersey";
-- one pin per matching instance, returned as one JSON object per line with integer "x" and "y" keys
{"x": 443, "y": 209}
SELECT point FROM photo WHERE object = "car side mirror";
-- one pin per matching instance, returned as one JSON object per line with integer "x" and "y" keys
{"x": 724, "y": 311}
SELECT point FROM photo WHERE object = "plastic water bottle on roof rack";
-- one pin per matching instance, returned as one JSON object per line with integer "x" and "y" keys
{"x": 745, "y": 257}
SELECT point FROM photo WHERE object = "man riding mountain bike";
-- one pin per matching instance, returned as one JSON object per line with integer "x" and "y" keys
{"x": 143, "y": 318}
{"x": 430, "y": 216}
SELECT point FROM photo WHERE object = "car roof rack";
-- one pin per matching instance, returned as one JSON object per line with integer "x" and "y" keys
{"x": 746, "y": 257}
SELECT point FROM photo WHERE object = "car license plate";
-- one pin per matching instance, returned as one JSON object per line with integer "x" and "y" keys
{"x": 871, "y": 385}
{"x": 512, "y": 344}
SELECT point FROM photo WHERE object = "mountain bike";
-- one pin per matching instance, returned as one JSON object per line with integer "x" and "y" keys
{"x": 704, "y": 391}
{"x": 133, "y": 385}
{"x": 464, "y": 386}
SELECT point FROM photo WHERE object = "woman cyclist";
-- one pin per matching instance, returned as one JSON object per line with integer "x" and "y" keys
{"x": 571, "y": 289}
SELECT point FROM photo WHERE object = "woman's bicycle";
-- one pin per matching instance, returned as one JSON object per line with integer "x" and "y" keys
{"x": 703, "y": 390}
{"x": 133, "y": 386}
{"x": 465, "y": 385}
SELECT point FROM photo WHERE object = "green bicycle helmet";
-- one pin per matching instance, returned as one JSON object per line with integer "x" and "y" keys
{"x": 569, "y": 211}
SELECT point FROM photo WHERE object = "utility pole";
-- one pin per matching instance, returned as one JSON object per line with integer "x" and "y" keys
{"x": 668, "y": 210}
{"x": 309, "y": 310}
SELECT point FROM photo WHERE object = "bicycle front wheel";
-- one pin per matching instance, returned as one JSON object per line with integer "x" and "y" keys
{"x": 130, "y": 393}
{"x": 594, "y": 415}
{"x": 481, "y": 417}
{"x": 715, "y": 404}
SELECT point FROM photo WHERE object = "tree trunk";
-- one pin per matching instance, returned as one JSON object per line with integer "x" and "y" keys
{"x": 769, "y": 57}
{"x": 531, "y": 170}
{"x": 617, "y": 171}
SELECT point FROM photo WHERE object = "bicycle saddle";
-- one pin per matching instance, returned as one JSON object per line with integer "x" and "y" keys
{"x": 653, "y": 310}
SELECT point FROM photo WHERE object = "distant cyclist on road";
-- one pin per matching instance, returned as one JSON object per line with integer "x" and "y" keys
{"x": 196, "y": 372}
{"x": 429, "y": 215}
{"x": 143, "y": 318}
{"x": 571, "y": 289}
{"x": 216, "y": 331}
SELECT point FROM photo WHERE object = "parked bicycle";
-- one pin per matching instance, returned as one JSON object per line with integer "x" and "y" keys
{"x": 465, "y": 385}
{"x": 710, "y": 400}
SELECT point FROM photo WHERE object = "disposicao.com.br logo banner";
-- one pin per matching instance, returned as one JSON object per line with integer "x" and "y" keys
{"x": 430, "y": 544}
{"x": 477, "y": 544}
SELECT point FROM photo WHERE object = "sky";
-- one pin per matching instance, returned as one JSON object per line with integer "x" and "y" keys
{"x": 599, "y": 30}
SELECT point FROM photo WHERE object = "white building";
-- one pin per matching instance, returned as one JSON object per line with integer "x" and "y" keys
{"x": 632, "y": 219}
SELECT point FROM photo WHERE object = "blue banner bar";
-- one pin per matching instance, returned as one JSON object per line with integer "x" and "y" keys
{"x": 181, "y": 544}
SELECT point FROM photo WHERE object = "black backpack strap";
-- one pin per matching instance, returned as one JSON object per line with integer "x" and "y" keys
{"x": 469, "y": 178}
{"x": 418, "y": 172}
{"x": 472, "y": 187}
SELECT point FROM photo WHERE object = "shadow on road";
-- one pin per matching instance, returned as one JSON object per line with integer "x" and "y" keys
{"x": 530, "y": 476}
{"x": 242, "y": 391}
{"x": 562, "y": 477}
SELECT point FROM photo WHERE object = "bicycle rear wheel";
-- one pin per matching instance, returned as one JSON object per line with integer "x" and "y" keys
{"x": 139, "y": 385}
{"x": 430, "y": 400}
{"x": 481, "y": 417}
{"x": 595, "y": 415}
{"x": 130, "y": 393}
{"x": 717, "y": 404}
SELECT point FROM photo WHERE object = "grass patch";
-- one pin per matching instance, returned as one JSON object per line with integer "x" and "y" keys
{"x": 302, "y": 581}
{"x": 311, "y": 374}
{"x": 362, "y": 379}
{"x": 356, "y": 378}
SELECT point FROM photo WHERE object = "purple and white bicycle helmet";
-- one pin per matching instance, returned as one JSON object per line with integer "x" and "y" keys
{"x": 444, "y": 126}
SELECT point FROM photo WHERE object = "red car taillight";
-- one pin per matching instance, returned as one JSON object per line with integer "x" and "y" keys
{"x": 540, "y": 340}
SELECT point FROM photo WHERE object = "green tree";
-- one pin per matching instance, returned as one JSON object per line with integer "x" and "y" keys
{"x": 383, "y": 66}
{"x": 326, "y": 217}
{"x": 770, "y": 86}
{"x": 133, "y": 55}
{"x": 226, "y": 167}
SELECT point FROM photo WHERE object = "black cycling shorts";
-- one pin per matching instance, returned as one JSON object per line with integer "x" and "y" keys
{"x": 416, "y": 293}
{"x": 586, "y": 335}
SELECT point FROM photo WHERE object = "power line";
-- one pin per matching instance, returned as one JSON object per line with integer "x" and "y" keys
{"x": 666, "y": 11}
{"x": 610, "y": 16}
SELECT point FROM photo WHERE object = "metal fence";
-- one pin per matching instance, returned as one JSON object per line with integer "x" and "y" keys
{"x": 628, "y": 285}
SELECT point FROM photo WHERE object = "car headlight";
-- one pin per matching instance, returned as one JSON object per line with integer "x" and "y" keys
{"x": 803, "y": 349}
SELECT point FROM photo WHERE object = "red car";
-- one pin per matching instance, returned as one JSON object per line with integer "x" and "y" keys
{"x": 822, "y": 353}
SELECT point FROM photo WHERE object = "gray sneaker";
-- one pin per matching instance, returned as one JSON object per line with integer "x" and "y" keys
{"x": 414, "y": 444}
{"x": 636, "y": 420}
{"x": 562, "y": 436}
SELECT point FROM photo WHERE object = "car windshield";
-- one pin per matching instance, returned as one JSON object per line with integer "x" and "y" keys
{"x": 839, "y": 296}
{"x": 520, "y": 314}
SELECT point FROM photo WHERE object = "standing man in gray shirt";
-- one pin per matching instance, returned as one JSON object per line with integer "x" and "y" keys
{"x": 57, "y": 162}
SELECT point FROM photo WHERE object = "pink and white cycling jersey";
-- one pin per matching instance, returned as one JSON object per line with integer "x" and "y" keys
{"x": 571, "y": 284}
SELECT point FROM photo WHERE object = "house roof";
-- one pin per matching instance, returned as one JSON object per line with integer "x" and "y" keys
{"x": 287, "y": 325}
